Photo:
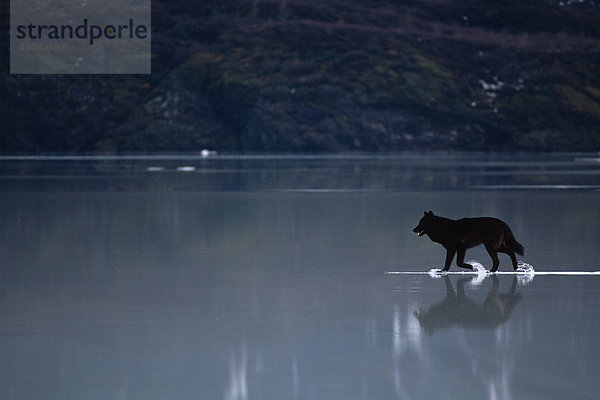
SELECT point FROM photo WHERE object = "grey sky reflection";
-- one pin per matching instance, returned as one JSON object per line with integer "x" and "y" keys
{"x": 168, "y": 287}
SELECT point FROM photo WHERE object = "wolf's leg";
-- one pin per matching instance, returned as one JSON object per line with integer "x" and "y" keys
{"x": 495, "y": 285}
{"x": 449, "y": 289}
{"x": 460, "y": 289}
{"x": 460, "y": 258}
{"x": 513, "y": 287}
{"x": 449, "y": 256}
{"x": 511, "y": 254}
{"x": 494, "y": 254}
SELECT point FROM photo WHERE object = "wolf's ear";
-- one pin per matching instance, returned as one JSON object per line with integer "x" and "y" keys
{"x": 424, "y": 213}
{"x": 430, "y": 213}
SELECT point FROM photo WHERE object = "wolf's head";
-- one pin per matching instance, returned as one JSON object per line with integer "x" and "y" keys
{"x": 424, "y": 224}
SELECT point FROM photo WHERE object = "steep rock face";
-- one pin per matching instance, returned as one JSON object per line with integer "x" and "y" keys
{"x": 299, "y": 75}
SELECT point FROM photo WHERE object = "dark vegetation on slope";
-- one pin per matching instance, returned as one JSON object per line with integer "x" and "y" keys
{"x": 336, "y": 75}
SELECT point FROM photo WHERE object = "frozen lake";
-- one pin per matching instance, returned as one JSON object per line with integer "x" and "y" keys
{"x": 259, "y": 278}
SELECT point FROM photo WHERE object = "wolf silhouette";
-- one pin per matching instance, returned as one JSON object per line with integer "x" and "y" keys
{"x": 459, "y": 235}
{"x": 458, "y": 309}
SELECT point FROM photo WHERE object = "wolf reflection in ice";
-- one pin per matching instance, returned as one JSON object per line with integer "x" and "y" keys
{"x": 458, "y": 309}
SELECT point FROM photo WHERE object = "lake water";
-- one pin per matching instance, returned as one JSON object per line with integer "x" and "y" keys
{"x": 242, "y": 278}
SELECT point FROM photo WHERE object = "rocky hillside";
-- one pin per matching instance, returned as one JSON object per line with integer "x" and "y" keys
{"x": 332, "y": 75}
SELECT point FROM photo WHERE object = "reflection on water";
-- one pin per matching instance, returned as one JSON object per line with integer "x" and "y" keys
{"x": 264, "y": 278}
{"x": 457, "y": 356}
{"x": 237, "y": 387}
{"x": 459, "y": 309}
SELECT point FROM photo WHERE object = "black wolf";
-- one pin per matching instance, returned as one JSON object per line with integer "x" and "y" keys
{"x": 459, "y": 235}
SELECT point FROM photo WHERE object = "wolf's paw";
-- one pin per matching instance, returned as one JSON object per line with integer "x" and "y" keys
{"x": 436, "y": 272}
{"x": 524, "y": 268}
{"x": 478, "y": 268}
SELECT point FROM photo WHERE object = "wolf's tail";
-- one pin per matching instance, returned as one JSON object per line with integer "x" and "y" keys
{"x": 512, "y": 243}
